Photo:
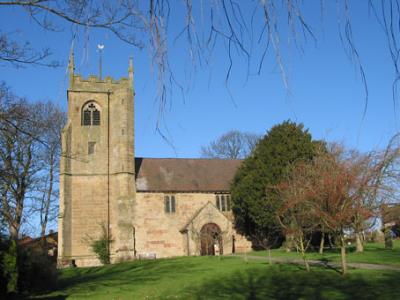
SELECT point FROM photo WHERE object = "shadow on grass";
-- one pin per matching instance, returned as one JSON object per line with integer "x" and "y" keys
{"x": 125, "y": 276}
{"x": 202, "y": 278}
{"x": 326, "y": 263}
{"x": 287, "y": 282}
{"x": 27, "y": 297}
{"x": 374, "y": 253}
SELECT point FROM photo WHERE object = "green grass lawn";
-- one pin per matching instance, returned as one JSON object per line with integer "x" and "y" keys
{"x": 374, "y": 253}
{"x": 225, "y": 278}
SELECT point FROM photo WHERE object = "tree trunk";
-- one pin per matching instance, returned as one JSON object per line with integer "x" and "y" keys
{"x": 306, "y": 263}
{"x": 289, "y": 242}
{"x": 388, "y": 238}
{"x": 49, "y": 192}
{"x": 269, "y": 256}
{"x": 322, "y": 243}
{"x": 343, "y": 255}
{"x": 330, "y": 241}
{"x": 14, "y": 231}
{"x": 359, "y": 242}
{"x": 303, "y": 255}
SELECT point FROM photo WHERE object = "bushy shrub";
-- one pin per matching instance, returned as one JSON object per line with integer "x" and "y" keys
{"x": 37, "y": 270}
{"x": 101, "y": 246}
{"x": 10, "y": 267}
{"x": 7, "y": 266}
{"x": 24, "y": 270}
{"x": 2, "y": 277}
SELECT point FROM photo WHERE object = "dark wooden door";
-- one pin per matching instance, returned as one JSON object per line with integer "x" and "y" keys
{"x": 210, "y": 237}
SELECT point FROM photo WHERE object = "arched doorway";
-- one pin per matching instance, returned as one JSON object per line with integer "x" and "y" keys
{"x": 210, "y": 239}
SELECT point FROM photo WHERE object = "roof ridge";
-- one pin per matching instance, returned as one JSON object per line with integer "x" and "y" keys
{"x": 189, "y": 175}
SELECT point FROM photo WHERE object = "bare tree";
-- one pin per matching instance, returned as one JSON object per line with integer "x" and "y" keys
{"x": 296, "y": 214}
{"x": 233, "y": 144}
{"x": 339, "y": 191}
{"x": 17, "y": 163}
{"x": 51, "y": 120}
{"x": 246, "y": 30}
{"x": 317, "y": 193}
{"x": 122, "y": 18}
{"x": 267, "y": 239}
{"x": 29, "y": 152}
{"x": 377, "y": 177}
{"x": 21, "y": 54}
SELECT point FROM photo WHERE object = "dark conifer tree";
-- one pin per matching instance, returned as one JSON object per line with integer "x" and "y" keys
{"x": 254, "y": 200}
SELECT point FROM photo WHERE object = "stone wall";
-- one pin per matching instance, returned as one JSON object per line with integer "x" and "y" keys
{"x": 155, "y": 231}
{"x": 97, "y": 187}
{"x": 169, "y": 234}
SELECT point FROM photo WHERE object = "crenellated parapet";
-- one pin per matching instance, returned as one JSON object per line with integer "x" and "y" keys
{"x": 95, "y": 83}
{"x": 95, "y": 79}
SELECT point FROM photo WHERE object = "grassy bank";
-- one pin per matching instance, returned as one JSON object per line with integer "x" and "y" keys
{"x": 226, "y": 278}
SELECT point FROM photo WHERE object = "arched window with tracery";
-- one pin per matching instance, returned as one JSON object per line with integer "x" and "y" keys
{"x": 90, "y": 114}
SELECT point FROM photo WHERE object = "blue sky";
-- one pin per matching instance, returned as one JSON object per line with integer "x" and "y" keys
{"x": 326, "y": 92}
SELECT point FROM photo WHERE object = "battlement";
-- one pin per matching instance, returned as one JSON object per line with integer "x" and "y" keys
{"x": 95, "y": 79}
{"x": 94, "y": 82}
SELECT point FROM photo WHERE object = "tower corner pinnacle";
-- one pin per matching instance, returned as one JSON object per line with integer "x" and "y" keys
{"x": 130, "y": 70}
{"x": 71, "y": 68}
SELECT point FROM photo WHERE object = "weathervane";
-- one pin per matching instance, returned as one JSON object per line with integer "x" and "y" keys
{"x": 100, "y": 47}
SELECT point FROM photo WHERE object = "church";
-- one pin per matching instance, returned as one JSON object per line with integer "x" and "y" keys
{"x": 148, "y": 207}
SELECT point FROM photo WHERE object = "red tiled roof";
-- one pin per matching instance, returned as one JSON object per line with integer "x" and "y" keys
{"x": 184, "y": 174}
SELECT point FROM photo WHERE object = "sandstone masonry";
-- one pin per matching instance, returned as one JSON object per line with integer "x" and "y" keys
{"x": 102, "y": 184}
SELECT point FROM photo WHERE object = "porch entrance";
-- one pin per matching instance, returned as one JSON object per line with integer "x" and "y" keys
{"x": 210, "y": 239}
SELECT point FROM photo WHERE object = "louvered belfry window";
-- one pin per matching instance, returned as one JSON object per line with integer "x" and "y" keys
{"x": 91, "y": 115}
{"x": 86, "y": 118}
{"x": 96, "y": 117}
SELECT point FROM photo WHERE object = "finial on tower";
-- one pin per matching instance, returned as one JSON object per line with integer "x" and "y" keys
{"x": 131, "y": 68}
{"x": 100, "y": 47}
{"x": 71, "y": 66}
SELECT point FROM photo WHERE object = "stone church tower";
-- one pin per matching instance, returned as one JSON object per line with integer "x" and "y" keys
{"x": 149, "y": 207}
{"x": 97, "y": 168}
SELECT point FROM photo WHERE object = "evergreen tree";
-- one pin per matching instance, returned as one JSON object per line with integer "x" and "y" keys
{"x": 254, "y": 200}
